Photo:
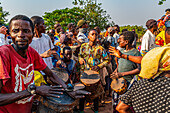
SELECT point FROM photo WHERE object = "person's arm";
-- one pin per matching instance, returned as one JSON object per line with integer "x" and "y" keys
{"x": 105, "y": 59}
{"x": 133, "y": 72}
{"x": 117, "y": 53}
{"x": 48, "y": 53}
{"x": 12, "y": 97}
{"x": 135, "y": 59}
{"x": 54, "y": 78}
{"x": 123, "y": 108}
{"x": 8, "y": 98}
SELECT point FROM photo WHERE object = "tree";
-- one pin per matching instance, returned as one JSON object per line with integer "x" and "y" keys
{"x": 63, "y": 16}
{"x": 3, "y": 14}
{"x": 87, "y": 10}
{"x": 94, "y": 13}
{"x": 161, "y": 2}
{"x": 138, "y": 29}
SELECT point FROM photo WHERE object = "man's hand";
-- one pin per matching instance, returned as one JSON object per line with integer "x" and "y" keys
{"x": 96, "y": 68}
{"x": 48, "y": 53}
{"x": 79, "y": 94}
{"x": 115, "y": 52}
{"x": 3, "y": 30}
{"x": 52, "y": 91}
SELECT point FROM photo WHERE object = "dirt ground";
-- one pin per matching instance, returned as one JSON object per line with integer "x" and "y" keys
{"x": 107, "y": 108}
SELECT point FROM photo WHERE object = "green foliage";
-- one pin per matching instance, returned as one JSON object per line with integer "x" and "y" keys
{"x": 94, "y": 13}
{"x": 138, "y": 29}
{"x": 63, "y": 16}
{"x": 3, "y": 14}
{"x": 85, "y": 9}
{"x": 161, "y": 2}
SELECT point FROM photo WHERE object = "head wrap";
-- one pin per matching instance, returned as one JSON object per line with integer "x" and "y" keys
{"x": 155, "y": 62}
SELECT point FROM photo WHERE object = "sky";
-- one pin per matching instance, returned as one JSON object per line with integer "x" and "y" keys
{"x": 122, "y": 12}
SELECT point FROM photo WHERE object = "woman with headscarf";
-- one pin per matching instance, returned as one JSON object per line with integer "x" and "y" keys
{"x": 151, "y": 94}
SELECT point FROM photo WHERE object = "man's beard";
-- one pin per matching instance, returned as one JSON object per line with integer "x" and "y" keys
{"x": 22, "y": 48}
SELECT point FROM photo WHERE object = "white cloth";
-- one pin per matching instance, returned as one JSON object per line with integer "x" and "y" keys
{"x": 81, "y": 36}
{"x": 148, "y": 41}
{"x": 116, "y": 36}
{"x": 41, "y": 45}
{"x": 2, "y": 40}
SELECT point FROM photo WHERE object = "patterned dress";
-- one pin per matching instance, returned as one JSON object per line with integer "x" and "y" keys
{"x": 149, "y": 96}
{"x": 160, "y": 39}
{"x": 93, "y": 56}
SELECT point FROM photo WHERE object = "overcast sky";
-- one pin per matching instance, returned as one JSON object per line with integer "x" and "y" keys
{"x": 122, "y": 12}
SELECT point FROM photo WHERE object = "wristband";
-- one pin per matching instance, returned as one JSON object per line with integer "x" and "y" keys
{"x": 127, "y": 57}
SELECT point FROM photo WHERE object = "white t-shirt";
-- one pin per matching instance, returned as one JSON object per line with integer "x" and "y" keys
{"x": 41, "y": 45}
{"x": 148, "y": 41}
{"x": 116, "y": 36}
{"x": 2, "y": 40}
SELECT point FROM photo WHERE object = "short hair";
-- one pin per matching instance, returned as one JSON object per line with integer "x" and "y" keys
{"x": 36, "y": 20}
{"x": 70, "y": 25}
{"x": 58, "y": 29}
{"x": 92, "y": 30}
{"x": 51, "y": 34}
{"x": 123, "y": 30}
{"x": 128, "y": 35}
{"x": 106, "y": 44}
{"x": 22, "y": 17}
{"x": 117, "y": 27}
{"x": 66, "y": 48}
{"x": 107, "y": 26}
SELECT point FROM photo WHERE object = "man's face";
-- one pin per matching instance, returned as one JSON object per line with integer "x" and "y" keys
{"x": 155, "y": 27}
{"x": 122, "y": 42}
{"x": 85, "y": 25}
{"x": 21, "y": 33}
{"x": 41, "y": 27}
{"x": 67, "y": 55}
{"x": 93, "y": 35}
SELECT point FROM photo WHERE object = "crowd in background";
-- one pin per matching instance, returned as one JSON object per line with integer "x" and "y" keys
{"x": 114, "y": 54}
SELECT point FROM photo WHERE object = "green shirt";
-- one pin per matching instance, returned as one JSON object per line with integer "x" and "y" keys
{"x": 127, "y": 65}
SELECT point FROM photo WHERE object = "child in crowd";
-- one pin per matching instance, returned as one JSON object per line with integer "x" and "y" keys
{"x": 71, "y": 67}
{"x": 126, "y": 69}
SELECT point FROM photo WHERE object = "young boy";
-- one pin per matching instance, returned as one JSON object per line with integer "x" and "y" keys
{"x": 71, "y": 67}
{"x": 126, "y": 68}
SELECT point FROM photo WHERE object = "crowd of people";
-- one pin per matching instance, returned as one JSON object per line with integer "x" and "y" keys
{"x": 26, "y": 63}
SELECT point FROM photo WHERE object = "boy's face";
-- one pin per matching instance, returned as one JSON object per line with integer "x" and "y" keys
{"x": 122, "y": 42}
{"x": 21, "y": 33}
{"x": 67, "y": 55}
{"x": 41, "y": 26}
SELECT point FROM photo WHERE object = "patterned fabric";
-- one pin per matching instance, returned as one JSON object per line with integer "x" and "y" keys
{"x": 160, "y": 39}
{"x": 160, "y": 56}
{"x": 148, "y": 96}
{"x": 61, "y": 48}
{"x": 93, "y": 56}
